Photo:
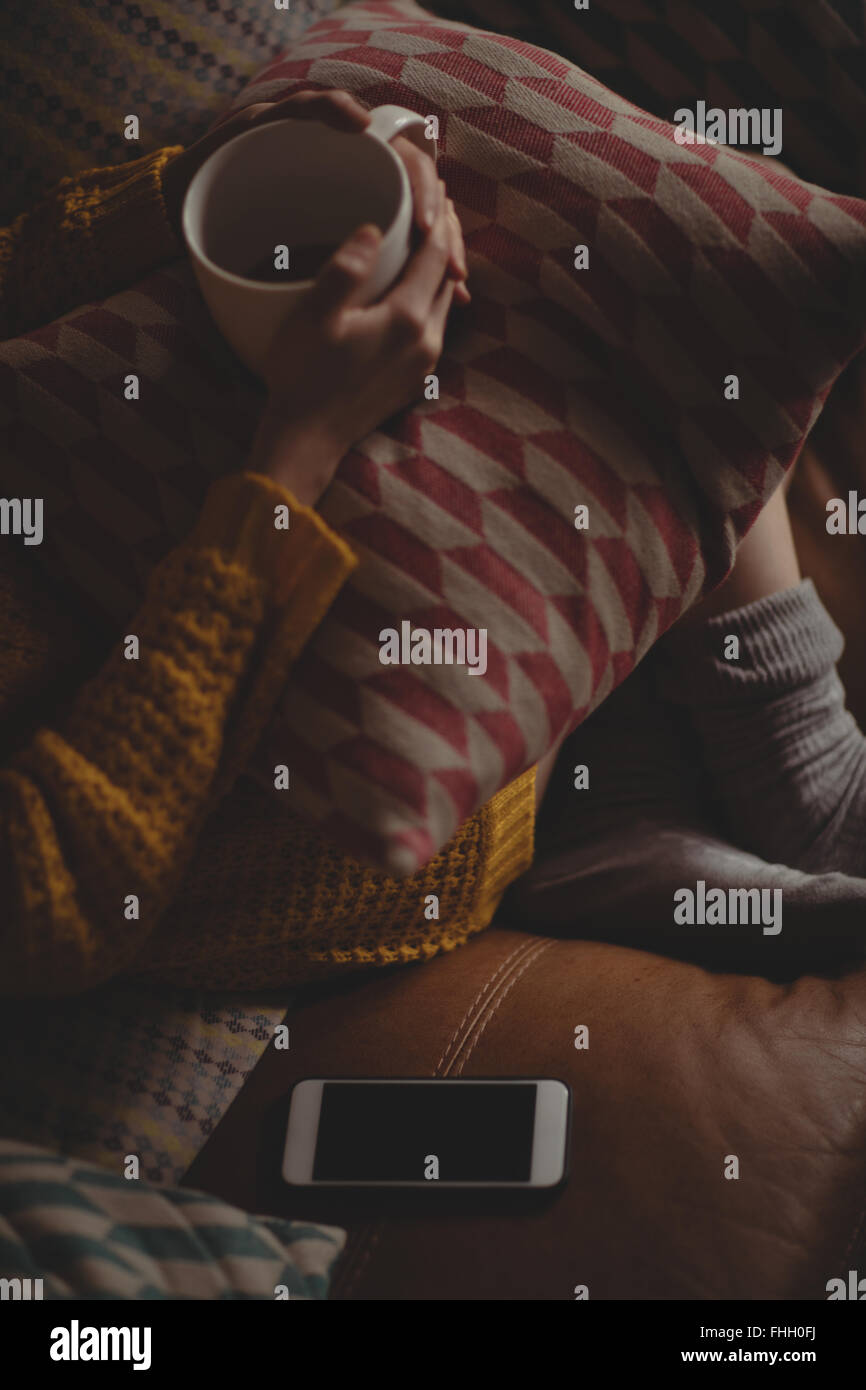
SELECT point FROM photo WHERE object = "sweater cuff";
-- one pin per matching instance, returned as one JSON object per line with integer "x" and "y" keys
{"x": 786, "y": 641}
{"x": 240, "y": 519}
{"x": 123, "y": 213}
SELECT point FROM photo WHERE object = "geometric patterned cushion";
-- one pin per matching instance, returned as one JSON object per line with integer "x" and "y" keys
{"x": 805, "y": 56}
{"x": 92, "y": 1234}
{"x": 121, "y": 481}
{"x": 560, "y": 388}
{"x": 72, "y": 72}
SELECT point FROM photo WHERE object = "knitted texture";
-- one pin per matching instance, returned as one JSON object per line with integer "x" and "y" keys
{"x": 129, "y": 197}
{"x": 785, "y": 758}
{"x": 272, "y": 899}
{"x": 73, "y": 72}
{"x": 785, "y": 640}
{"x": 602, "y": 387}
{"x": 113, "y": 799}
{"x": 559, "y": 389}
{"x": 112, "y": 804}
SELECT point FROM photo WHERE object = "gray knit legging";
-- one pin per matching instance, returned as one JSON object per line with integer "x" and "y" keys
{"x": 744, "y": 773}
{"x": 760, "y": 749}
{"x": 786, "y": 760}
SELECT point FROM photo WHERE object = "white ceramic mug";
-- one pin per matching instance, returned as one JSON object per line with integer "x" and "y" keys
{"x": 302, "y": 183}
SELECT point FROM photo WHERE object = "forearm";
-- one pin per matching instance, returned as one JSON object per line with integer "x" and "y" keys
{"x": 92, "y": 234}
{"x": 107, "y": 809}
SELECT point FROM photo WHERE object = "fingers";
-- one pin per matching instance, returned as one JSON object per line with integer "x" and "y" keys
{"x": 411, "y": 299}
{"x": 426, "y": 198}
{"x": 423, "y": 180}
{"x": 342, "y": 276}
{"x": 457, "y": 262}
{"x": 439, "y": 314}
{"x": 334, "y": 108}
{"x": 431, "y": 339}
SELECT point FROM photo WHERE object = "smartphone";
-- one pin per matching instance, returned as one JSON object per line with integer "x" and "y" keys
{"x": 406, "y": 1132}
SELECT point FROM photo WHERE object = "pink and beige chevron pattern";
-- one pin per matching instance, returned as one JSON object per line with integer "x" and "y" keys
{"x": 602, "y": 387}
{"x": 805, "y": 56}
{"x": 559, "y": 388}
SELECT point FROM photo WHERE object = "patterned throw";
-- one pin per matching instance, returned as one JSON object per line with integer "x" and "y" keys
{"x": 806, "y": 56}
{"x": 560, "y": 388}
{"x": 129, "y": 1069}
{"x": 72, "y": 72}
{"x": 602, "y": 387}
{"x": 88, "y": 1234}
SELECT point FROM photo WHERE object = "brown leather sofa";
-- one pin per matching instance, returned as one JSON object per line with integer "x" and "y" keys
{"x": 683, "y": 1069}
{"x": 686, "y": 1065}
{"x": 697, "y": 1051}
{"x": 689, "y": 1062}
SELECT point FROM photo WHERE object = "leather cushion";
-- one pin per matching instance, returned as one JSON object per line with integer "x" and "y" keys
{"x": 684, "y": 1068}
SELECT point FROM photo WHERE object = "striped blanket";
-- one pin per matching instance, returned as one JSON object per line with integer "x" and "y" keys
{"x": 68, "y": 1230}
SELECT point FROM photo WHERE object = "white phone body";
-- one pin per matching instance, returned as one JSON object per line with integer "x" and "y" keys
{"x": 549, "y": 1134}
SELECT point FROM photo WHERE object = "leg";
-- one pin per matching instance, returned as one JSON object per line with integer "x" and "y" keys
{"x": 788, "y": 762}
{"x": 766, "y": 563}
{"x": 640, "y": 765}
{"x": 641, "y": 762}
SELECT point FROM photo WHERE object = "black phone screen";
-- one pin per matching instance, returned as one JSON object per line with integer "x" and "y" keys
{"x": 390, "y": 1132}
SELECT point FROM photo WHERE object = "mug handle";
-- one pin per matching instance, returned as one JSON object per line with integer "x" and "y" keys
{"x": 388, "y": 121}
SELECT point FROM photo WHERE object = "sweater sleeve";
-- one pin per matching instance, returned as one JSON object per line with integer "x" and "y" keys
{"x": 99, "y": 818}
{"x": 91, "y": 235}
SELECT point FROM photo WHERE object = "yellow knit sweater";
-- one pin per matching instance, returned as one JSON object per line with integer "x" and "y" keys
{"x": 137, "y": 787}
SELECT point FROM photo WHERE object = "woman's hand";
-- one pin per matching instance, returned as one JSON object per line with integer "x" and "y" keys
{"x": 333, "y": 108}
{"x": 337, "y": 109}
{"x": 424, "y": 182}
{"x": 337, "y": 370}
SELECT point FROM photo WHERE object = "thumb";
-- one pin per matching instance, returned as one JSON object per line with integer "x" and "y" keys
{"x": 347, "y": 270}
